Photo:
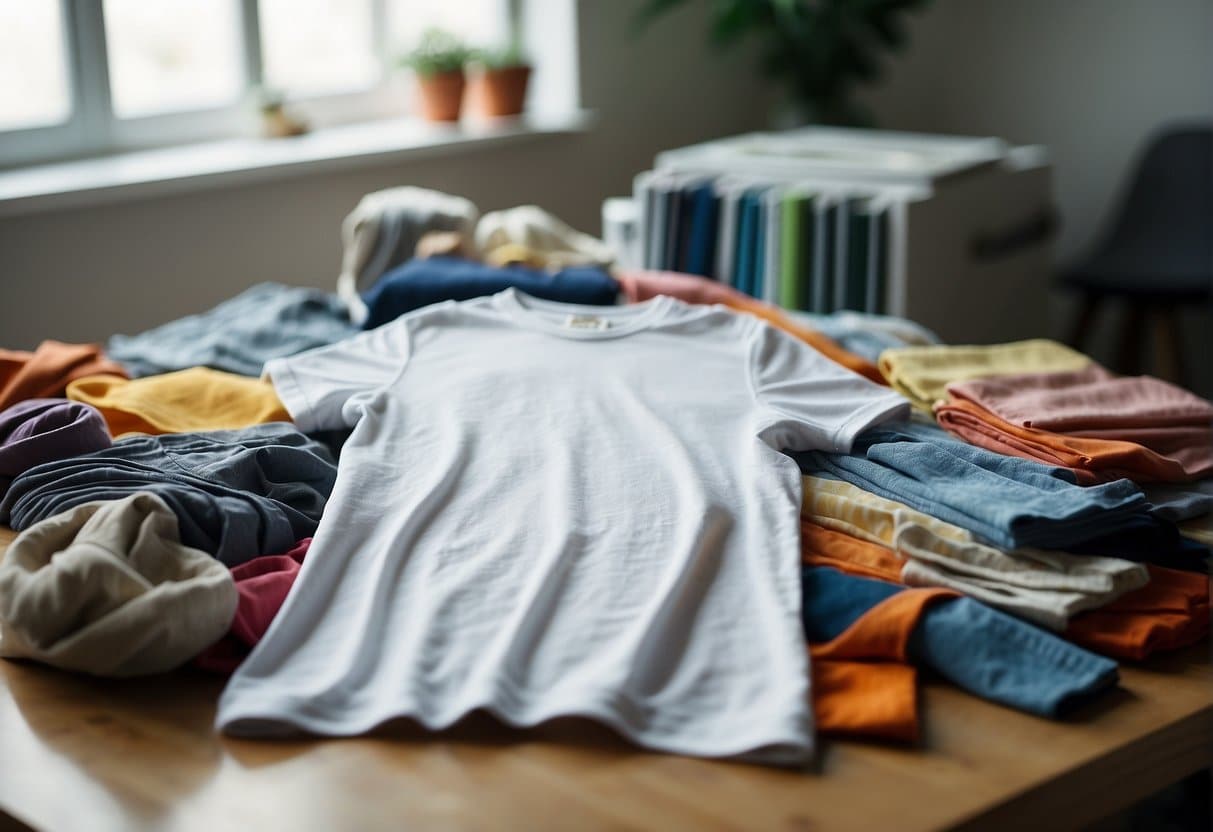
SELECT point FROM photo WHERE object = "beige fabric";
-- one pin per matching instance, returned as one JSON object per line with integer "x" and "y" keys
{"x": 107, "y": 588}
{"x": 531, "y": 235}
{"x": 383, "y": 231}
{"x": 1043, "y": 586}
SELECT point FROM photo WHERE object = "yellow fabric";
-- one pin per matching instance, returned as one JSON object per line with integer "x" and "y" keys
{"x": 196, "y": 399}
{"x": 849, "y": 509}
{"x": 921, "y": 374}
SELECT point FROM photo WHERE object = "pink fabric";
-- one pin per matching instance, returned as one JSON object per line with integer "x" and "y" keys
{"x": 1089, "y": 402}
{"x": 641, "y": 285}
{"x": 262, "y": 584}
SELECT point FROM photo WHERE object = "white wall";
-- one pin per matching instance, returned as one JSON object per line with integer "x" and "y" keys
{"x": 83, "y": 274}
{"x": 1088, "y": 78}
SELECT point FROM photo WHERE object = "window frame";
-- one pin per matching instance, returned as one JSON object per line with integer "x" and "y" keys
{"x": 93, "y": 129}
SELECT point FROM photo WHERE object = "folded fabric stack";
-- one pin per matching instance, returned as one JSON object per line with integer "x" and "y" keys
{"x": 547, "y": 503}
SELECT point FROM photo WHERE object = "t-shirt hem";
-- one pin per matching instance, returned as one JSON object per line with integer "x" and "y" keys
{"x": 772, "y": 744}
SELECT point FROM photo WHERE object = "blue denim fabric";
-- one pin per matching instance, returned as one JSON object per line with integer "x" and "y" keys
{"x": 981, "y": 650}
{"x": 239, "y": 335}
{"x": 1006, "y": 501}
{"x": 237, "y": 494}
{"x": 420, "y": 283}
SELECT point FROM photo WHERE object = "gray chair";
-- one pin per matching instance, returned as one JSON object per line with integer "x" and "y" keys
{"x": 1158, "y": 255}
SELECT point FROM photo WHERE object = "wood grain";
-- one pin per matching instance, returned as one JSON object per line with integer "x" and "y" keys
{"x": 77, "y": 752}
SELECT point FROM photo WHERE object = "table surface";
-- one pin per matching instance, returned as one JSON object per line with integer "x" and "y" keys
{"x": 78, "y": 752}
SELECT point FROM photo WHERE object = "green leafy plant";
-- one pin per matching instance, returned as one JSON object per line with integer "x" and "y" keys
{"x": 437, "y": 52}
{"x": 821, "y": 50}
{"x": 505, "y": 57}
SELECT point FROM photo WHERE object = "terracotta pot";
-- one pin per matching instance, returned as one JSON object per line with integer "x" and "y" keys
{"x": 441, "y": 95}
{"x": 500, "y": 92}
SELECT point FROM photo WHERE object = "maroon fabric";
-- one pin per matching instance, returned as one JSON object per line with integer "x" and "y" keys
{"x": 262, "y": 584}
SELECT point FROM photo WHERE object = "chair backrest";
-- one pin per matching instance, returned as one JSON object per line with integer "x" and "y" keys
{"x": 1167, "y": 215}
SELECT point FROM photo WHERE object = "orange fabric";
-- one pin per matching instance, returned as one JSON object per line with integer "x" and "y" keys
{"x": 45, "y": 372}
{"x": 1092, "y": 460}
{"x": 1170, "y": 612}
{"x": 863, "y": 683}
{"x": 820, "y": 546}
{"x": 641, "y": 285}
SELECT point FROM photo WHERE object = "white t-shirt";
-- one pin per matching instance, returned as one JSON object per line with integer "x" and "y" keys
{"x": 549, "y": 510}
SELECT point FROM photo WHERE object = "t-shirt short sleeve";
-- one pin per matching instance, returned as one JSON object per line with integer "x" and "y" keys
{"x": 324, "y": 388}
{"x": 810, "y": 402}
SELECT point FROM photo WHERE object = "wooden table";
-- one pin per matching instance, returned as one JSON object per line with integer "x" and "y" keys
{"x": 81, "y": 753}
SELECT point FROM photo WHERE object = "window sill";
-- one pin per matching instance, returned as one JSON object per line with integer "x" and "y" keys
{"x": 215, "y": 164}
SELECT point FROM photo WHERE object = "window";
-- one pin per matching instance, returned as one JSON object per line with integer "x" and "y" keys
{"x": 34, "y": 65}
{"x": 90, "y": 76}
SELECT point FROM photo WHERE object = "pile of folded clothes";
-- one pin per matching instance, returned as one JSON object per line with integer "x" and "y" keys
{"x": 1036, "y": 520}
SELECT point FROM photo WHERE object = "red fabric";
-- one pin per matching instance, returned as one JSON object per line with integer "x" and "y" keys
{"x": 262, "y": 584}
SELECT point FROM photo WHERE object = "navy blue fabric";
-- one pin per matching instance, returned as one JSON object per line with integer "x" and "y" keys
{"x": 1006, "y": 501}
{"x": 237, "y": 494}
{"x": 239, "y": 335}
{"x": 421, "y": 282}
{"x": 979, "y": 649}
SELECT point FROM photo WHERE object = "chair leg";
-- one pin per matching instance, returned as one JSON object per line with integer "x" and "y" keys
{"x": 1168, "y": 348}
{"x": 1085, "y": 321}
{"x": 1128, "y": 356}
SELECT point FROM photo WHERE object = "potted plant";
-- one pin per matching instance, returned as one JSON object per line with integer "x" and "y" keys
{"x": 821, "y": 51}
{"x": 438, "y": 61}
{"x": 500, "y": 82}
{"x": 276, "y": 121}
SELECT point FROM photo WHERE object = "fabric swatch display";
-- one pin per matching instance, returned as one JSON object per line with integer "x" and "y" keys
{"x": 383, "y": 231}
{"x": 638, "y": 286}
{"x": 237, "y": 494}
{"x": 262, "y": 585}
{"x": 1005, "y": 501}
{"x": 1045, "y": 587}
{"x": 44, "y": 430}
{"x": 46, "y": 372}
{"x": 108, "y": 588}
{"x": 531, "y": 235}
{"x": 1092, "y": 460}
{"x": 922, "y": 374}
{"x": 865, "y": 334}
{"x": 468, "y": 564}
{"x": 985, "y": 652}
{"x": 423, "y": 282}
{"x": 267, "y": 321}
{"x": 198, "y": 399}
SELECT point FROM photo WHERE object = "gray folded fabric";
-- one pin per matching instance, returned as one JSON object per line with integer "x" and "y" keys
{"x": 239, "y": 335}
{"x": 1180, "y": 502}
{"x": 108, "y": 588}
{"x": 237, "y": 494}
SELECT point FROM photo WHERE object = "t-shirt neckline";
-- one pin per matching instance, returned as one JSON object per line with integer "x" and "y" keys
{"x": 538, "y": 314}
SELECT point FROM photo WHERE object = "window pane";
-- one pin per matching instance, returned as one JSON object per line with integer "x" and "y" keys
{"x": 33, "y": 71}
{"x": 172, "y": 55}
{"x": 317, "y": 46}
{"x": 478, "y": 22}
